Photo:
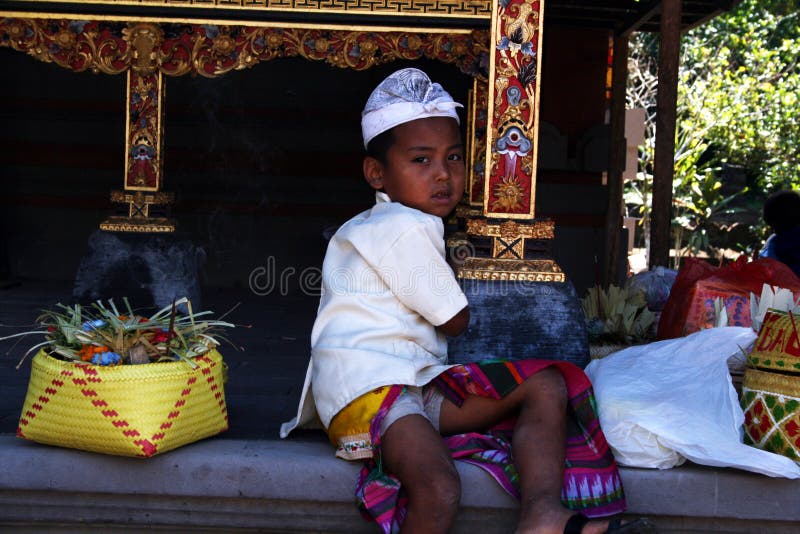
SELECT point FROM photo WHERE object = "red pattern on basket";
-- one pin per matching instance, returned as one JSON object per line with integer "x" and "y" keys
{"x": 215, "y": 388}
{"x": 793, "y": 431}
{"x": 92, "y": 376}
{"x": 757, "y": 421}
{"x": 29, "y": 415}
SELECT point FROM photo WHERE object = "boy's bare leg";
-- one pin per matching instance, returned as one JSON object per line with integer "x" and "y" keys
{"x": 416, "y": 454}
{"x": 538, "y": 445}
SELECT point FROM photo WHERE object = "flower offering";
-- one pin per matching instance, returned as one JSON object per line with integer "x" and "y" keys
{"x": 102, "y": 334}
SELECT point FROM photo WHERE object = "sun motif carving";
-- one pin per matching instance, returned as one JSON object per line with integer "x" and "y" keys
{"x": 508, "y": 195}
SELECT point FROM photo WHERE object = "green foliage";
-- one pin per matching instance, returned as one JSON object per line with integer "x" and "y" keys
{"x": 740, "y": 80}
{"x": 738, "y": 106}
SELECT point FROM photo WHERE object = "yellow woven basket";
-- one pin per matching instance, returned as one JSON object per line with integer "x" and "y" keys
{"x": 777, "y": 347}
{"x": 127, "y": 410}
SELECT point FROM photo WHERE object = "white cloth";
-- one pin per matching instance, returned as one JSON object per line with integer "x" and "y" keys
{"x": 404, "y": 96}
{"x": 385, "y": 287}
{"x": 665, "y": 402}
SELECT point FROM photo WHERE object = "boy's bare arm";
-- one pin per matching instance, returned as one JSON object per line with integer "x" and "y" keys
{"x": 457, "y": 324}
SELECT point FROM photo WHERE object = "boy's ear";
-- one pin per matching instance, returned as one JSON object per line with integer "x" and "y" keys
{"x": 373, "y": 172}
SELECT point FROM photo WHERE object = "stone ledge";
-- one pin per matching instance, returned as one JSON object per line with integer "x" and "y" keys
{"x": 299, "y": 485}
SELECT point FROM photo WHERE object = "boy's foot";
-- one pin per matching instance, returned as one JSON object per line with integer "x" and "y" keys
{"x": 577, "y": 522}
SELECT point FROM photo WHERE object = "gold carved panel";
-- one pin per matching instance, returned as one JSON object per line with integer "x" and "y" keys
{"x": 212, "y": 50}
{"x": 461, "y": 9}
{"x": 510, "y": 270}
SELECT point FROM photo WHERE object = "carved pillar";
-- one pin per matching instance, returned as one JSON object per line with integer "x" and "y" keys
{"x": 479, "y": 113}
{"x": 509, "y": 243}
{"x": 144, "y": 126}
{"x": 471, "y": 207}
{"x": 509, "y": 191}
{"x": 146, "y": 204}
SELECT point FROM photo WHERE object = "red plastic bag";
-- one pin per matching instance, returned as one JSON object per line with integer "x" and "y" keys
{"x": 690, "y": 306}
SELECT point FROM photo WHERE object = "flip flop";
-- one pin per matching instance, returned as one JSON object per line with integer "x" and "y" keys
{"x": 642, "y": 525}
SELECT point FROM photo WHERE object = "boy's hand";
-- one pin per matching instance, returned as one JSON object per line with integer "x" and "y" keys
{"x": 457, "y": 324}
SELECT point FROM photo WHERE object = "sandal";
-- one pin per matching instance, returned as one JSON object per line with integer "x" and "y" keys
{"x": 642, "y": 525}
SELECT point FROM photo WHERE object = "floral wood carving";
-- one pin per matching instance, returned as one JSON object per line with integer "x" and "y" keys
{"x": 212, "y": 50}
{"x": 509, "y": 188}
{"x": 145, "y": 40}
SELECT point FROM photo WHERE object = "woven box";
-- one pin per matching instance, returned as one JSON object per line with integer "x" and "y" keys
{"x": 777, "y": 347}
{"x": 690, "y": 306}
{"x": 127, "y": 410}
{"x": 771, "y": 404}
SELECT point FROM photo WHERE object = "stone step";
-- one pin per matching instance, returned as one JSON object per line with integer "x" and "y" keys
{"x": 298, "y": 485}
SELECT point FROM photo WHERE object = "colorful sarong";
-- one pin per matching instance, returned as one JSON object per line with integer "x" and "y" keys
{"x": 591, "y": 484}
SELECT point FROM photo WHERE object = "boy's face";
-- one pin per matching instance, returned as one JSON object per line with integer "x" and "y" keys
{"x": 424, "y": 168}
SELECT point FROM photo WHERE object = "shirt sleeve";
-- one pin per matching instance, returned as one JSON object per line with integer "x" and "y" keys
{"x": 415, "y": 270}
{"x": 769, "y": 248}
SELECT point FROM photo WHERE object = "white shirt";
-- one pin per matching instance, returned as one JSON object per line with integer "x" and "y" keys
{"x": 385, "y": 288}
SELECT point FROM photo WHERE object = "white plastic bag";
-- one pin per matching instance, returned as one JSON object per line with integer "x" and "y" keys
{"x": 673, "y": 400}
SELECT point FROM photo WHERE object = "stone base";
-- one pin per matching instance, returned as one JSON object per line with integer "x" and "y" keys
{"x": 220, "y": 485}
{"x": 148, "y": 269}
{"x": 519, "y": 320}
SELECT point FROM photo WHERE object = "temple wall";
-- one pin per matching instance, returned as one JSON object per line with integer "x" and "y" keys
{"x": 262, "y": 161}
{"x": 573, "y": 148}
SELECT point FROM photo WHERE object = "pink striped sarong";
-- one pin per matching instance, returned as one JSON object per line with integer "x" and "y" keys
{"x": 592, "y": 484}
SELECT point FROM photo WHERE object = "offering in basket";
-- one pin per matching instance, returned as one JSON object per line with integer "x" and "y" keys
{"x": 113, "y": 381}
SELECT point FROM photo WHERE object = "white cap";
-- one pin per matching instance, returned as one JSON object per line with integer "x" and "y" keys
{"x": 404, "y": 96}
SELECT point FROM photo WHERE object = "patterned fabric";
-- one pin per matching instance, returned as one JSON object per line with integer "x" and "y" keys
{"x": 378, "y": 493}
{"x": 591, "y": 484}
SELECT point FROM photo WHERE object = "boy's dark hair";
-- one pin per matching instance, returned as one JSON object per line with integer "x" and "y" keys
{"x": 782, "y": 210}
{"x": 379, "y": 145}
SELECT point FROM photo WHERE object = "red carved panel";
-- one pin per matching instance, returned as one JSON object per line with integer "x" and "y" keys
{"x": 143, "y": 153}
{"x": 512, "y": 135}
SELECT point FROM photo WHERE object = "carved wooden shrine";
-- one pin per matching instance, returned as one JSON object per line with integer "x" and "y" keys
{"x": 504, "y": 61}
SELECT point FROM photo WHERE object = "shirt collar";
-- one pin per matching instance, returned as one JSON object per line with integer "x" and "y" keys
{"x": 380, "y": 197}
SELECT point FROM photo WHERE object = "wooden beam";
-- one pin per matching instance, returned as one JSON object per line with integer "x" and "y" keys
{"x": 664, "y": 165}
{"x": 642, "y": 17}
{"x": 616, "y": 161}
{"x": 721, "y": 6}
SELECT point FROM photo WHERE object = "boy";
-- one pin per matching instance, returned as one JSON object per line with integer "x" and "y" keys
{"x": 782, "y": 214}
{"x": 378, "y": 377}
